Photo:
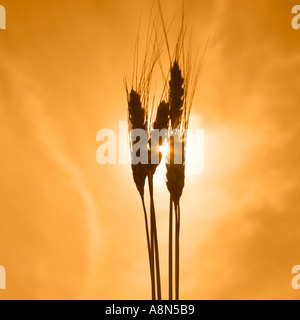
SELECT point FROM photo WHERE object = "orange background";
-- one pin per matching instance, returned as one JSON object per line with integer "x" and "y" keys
{"x": 71, "y": 229}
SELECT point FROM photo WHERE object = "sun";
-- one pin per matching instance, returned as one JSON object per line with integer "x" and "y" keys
{"x": 194, "y": 157}
{"x": 159, "y": 177}
{"x": 164, "y": 149}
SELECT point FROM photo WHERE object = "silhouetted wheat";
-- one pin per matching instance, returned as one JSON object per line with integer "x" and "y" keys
{"x": 175, "y": 172}
{"x": 172, "y": 120}
{"x": 137, "y": 120}
{"x": 181, "y": 88}
{"x": 160, "y": 123}
{"x": 138, "y": 106}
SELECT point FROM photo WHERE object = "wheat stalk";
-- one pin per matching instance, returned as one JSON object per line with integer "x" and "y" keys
{"x": 160, "y": 123}
{"x": 175, "y": 172}
{"x": 138, "y": 109}
{"x": 182, "y": 85}
{"x": 137, "y": 120}
{"x": 173, "y": 114}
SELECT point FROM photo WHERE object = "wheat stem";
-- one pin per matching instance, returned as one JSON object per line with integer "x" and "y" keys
{"x": 171, "y": 251}
{"x": 155, "y": 249}
{"x": 177, "y": 249}
{"x": 151, "y": 262}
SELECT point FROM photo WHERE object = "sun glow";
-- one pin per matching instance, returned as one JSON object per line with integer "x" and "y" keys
{"x": 194, "y": 157}
{"x": 160, "y": 176}
{"x": 164, "y": 149}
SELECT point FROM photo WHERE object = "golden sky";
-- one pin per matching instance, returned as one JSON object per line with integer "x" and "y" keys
{"x": 72, "y": 229}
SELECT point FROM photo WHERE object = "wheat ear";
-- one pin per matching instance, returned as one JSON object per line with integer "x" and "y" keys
{"x": 137, "y": 118}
